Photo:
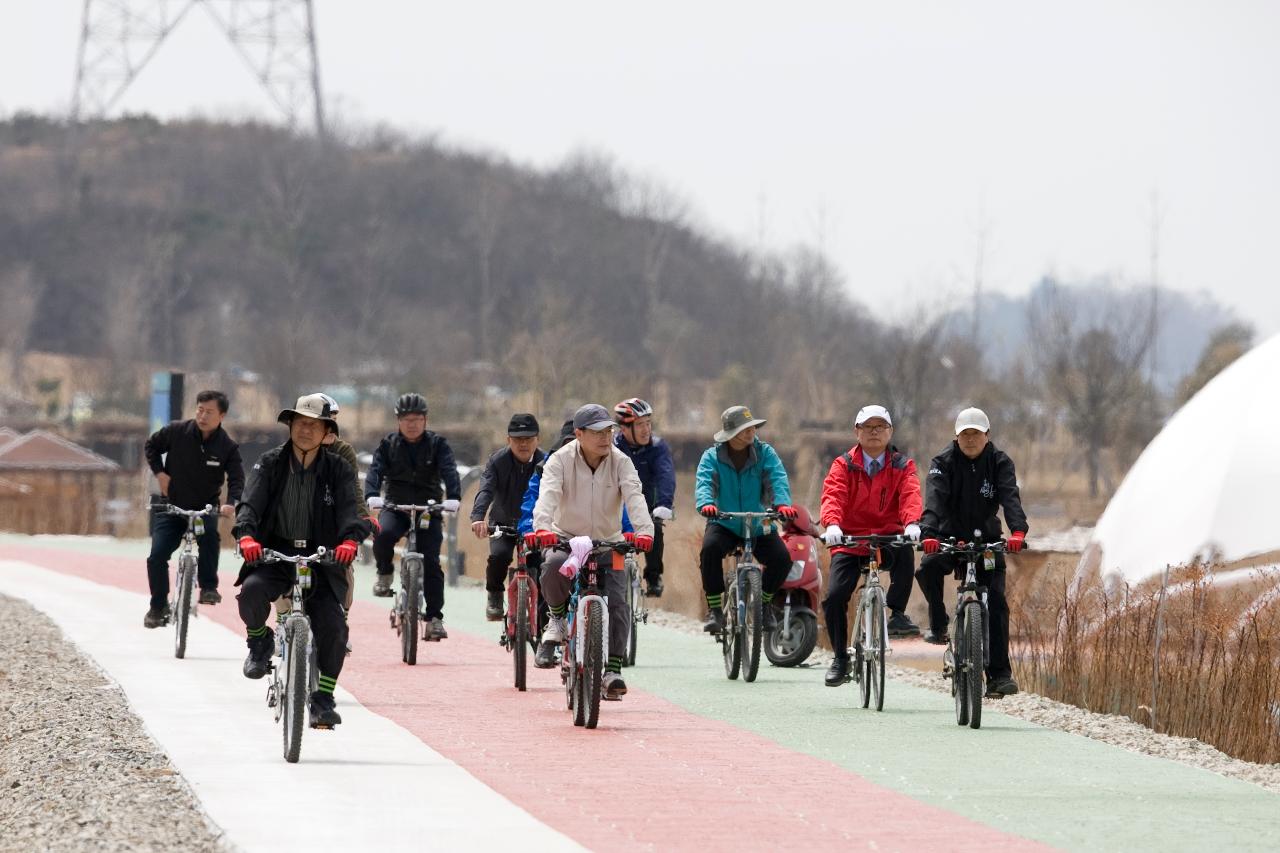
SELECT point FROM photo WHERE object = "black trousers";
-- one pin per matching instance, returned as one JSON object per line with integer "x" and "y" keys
{"x": 653, "y": 560}
{"x": 166, "y": 536}
{"x": 394, "y": 526}
{"x": 495, "y": 571}
{"x": 323, "y": 605}
{"x": 719, "y": 542}
{"x": 846, "y": 569}
{"x": 933, "y": 569}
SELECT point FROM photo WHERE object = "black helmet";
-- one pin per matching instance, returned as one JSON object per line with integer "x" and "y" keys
{"x": 411, "y": 404}
{"x": 629, "y": 411}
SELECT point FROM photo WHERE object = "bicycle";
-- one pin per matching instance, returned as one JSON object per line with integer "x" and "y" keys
{"x": 180, "y": 606}
{"x": 870, "y": 634}
{"x": 521, "y": 627}
{"x": 635, "y": 606}
{"x": 743, "y": 603}
{"x": 968, "y": 652}
{"x": 409, "y": 604}
{"x": 295, "y": 651}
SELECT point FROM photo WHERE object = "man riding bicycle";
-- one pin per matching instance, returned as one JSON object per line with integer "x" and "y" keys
{"x": 741, "y": 473}
{"x": 652, "y": 458}
{"x": 871, "y": 489}
{"x": 298, "y": 498}
{"x": 502, "y": 487}
{"x": 968, "y": 484}
{"x": 584, "y": 486}
{"x": 197, "y": 455}
{"x": 413, "y": 461}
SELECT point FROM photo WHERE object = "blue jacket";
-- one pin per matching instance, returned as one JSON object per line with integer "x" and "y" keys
{"x": 657, "y": 471}
{"x": 761, "y": 485}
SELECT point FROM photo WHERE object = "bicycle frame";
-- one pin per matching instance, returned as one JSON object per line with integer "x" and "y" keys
{"x": 867, "y": 598}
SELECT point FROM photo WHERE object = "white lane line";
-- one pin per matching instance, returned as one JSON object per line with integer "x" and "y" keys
{"x": 368, "y": 785}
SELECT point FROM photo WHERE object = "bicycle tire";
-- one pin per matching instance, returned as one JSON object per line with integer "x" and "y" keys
{"x": 863, "y": 657}
{"x": 752, "y": 626}
{"x": 182, "y": 607}
{"x": 959, "y": 685}
{"x": 973, "y": 681}
{"x": 520, "y": 648}
{"x": 593, "y": 663}
{"x": 298, "y": 636}
{"x": 875, "y": 665}
{"x": 577, "y": 700}
{"x": 411, "y": 588}
{"x": 633, "y": 634}
{"x": 730, "y": 646}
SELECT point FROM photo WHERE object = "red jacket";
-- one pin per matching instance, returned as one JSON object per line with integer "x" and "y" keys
{"x": 862, "y": 506}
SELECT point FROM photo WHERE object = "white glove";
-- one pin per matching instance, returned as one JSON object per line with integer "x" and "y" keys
{"x": 451, "y": 505}
{"x": 374, "y": 502}
{"x": 912, "y": 532}
{"x": 662, "y": 512}
{"x": 833, "y": 535}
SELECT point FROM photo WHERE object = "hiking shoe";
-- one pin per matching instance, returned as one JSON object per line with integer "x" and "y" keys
{"x": 493, "y": 610}
{"x": 838, "y": 673}
{"x": 614, "y": 687}
{"x": 435, "y": 630}
{"x": 998, "y": 688}
{"x": 555, "y": 631}
{"x": 937, "y": 638}
{"x": 210, "y": 596}
{"x": 324, "y": 713}
{"x": 653, "y": 587}
{"x": 900, "y": 625}
{"x": 259, "y": 659}
{"x": 768, "y": 617}
{"x": 714, "y": 623}
{"x": 157, "y": 617}
{"x": 382, "y": 585}
{"x": 545, "y": 657}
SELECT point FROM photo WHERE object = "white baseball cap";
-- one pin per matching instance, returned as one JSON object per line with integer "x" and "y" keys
{"x": 866, "y": 413}
{"x": 972, "y": 418}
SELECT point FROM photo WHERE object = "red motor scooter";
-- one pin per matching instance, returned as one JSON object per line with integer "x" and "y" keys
{"x": 796, "y": 603}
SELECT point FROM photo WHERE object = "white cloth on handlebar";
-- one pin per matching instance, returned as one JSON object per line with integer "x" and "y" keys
{"x": 374, "y": 502}
{"x": 451, "y": 505}
{"x": 579, "y": 550}
{"x": 833, "y": 535}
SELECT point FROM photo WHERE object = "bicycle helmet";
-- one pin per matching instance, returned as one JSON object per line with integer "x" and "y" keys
{"x": 411, "y": 404}
{"x": 629, "y": 411}
{"x": 334, "y": 408}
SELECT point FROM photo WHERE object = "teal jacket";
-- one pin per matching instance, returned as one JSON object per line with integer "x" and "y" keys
{"x": 761, "y": 485}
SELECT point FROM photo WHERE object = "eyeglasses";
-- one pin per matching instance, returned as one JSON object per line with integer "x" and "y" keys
{"x": 875, "y": 430}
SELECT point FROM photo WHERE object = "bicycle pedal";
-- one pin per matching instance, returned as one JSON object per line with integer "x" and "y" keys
{"x": 322, "y": 728}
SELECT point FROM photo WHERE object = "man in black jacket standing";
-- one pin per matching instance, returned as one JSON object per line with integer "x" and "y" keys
{"x": 299, "y": 498}
{"x": 968, "y": 484}
{"x": 197, "y": 455}
{"x": 413, "y": 462}
{"x": 502, "y": 486}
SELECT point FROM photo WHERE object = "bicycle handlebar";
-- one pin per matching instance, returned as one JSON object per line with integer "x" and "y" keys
{"x": 276, "y": 556}
{"x": 501, "y": 530}
{"x": 170, "y": 509}
{"x": 772, "y": 514}
{"x": 951, "y": 546}
{"x": 623, "y": 547}
{"x": 431, "y": 507}
{"x": 875, "y": 540}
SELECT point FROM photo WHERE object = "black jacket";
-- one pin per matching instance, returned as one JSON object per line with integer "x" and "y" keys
{"x": 196, "y": 466}
{"x": 963, "y": 495}
{"x": 413, "y": 477}
{"x": 502, "y": 487}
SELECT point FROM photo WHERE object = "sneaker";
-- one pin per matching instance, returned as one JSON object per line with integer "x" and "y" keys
{"x": 545, "y": 657}
{"x": 714, "y": 623}
{"x": 555, "y": 631}
{"x": 324, "y": 714}
{"x": 900, "y": 625}
{"x": 156, "y": 617}
{"x": 653, "y": 587}
{"x": 937, "y": 638}
{"x": 838, "y": 673}
{"x": 493, "y": 610}
{"x": 259, "y": 659}
{"x": 210, "y": 596}
{"x": 998, "y": 688}
{"x": 769, "y": 617}
{"x": 614, "y": 687}
{"x": 382, "y": 585}
{"x": 436, "y": 631}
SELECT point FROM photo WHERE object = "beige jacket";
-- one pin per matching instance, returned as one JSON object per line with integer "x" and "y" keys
{"x": 573, "y": 500}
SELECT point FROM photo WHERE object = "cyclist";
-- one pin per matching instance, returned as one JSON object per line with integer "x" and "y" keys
{"x": 740, "y": 473}
{"x": 414, "y": 461}
{"x": 968, "y": 484}
{"x": 502, "y": 486}
{"x": 297, "y": 499}
{"x": 870, "y": 489}
{"x": 652, "y": 458}
{"x": 585, "y": 485}
{"x": 190, "y": 459}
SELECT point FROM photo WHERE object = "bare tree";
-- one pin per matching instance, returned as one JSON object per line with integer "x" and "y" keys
{"x": 20, "y": 291}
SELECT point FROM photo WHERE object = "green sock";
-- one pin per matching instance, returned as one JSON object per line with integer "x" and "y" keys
{"x": 713, "y": 601}
{"x": 614, "y": 665}
{"x": 558, "y": 611}
{"x": 326, "y": 684}
{"x": 766, "y": 597}
{"x": 254, "y": 633}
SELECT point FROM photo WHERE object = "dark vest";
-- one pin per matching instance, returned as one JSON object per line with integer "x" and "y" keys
{"x": 413, "y": 479}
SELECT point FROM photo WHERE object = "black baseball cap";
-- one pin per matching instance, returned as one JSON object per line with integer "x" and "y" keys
{"x": 523, "y": 425}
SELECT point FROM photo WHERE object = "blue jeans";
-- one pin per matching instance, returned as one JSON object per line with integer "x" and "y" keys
{"x": 166, "y": 536}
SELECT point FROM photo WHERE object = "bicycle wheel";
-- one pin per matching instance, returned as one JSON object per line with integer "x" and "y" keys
{"x": 298, "y": 638}
{"x": 863, "y": 656}
{"x": 411, "y": 592}
{"x": 959, "y": 673}
{"x": 973, "y": 657}
{"x": 520, "y": 648}
{"x": 182, "y": 605}
{"x": 875, "y": 660}
{"x": 593, "y": 663}
{"x": 633, "y": 585}
{"x": 729, "y": 639}
{"x": 752, "y": 630}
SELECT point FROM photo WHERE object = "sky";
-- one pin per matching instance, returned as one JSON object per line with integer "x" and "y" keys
{"x": 904, "y": 139}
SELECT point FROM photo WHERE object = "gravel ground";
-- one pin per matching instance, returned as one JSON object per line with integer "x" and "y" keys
{"x": 78, "y": 770}
{"x": 1108, "y": 728}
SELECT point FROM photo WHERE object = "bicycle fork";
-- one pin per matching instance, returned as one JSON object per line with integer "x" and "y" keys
{"x": 580, "y": 627}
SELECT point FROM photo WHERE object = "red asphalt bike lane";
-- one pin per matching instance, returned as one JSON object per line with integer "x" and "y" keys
{"x": 652, "y": 776}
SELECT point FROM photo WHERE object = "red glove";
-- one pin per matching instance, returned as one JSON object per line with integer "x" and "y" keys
{"x": 710, "y": 510}
{"x": 787, "y": 512}
{"x": 346, "y": 552}
{"x": 630, "y": 538}
{"x": 930, "y": 546}
{"x": 546, "y": 538}
{"x": 250, "y": 550}
{"x": 644, "y": 543}
{"x": 1015, "y": 542}
{"x": 375, "y": 524}
{"x": 531, "y": 539}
